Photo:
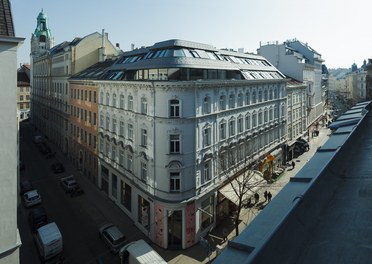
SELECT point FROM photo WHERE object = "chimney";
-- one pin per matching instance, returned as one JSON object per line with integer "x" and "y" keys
{"x": 118, "y": 45}
{"x": 132, "y": 46}
{"x": 102, "y": 50}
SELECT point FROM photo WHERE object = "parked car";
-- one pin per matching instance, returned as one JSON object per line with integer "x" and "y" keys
{"x": 69, "y": 183}
{"x": 44, "y": 148}
{"x": 58, "y": 167}
{"x": 26, "y": 186}
{"x": 303, "y": 144}
{"x": 112, "y": 237}
{"x": 39, "y": 139}
{"x": 21, "y": 165}
{"x": 37, "y": 218}
{"x": 31, "y": 198}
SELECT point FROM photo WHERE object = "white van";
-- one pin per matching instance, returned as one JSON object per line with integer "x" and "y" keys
{"x": 139, "y": 252}
{"x": 48, "y": 240}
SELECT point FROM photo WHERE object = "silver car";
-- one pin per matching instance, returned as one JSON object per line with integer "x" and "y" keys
{"x": 31, "y": 198}
{"x": 112, "y": 236}
{"x": 69, "y": 183}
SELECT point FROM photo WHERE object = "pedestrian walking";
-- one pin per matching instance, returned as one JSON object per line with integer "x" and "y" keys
{"x": 224, "y": 234}
{"x": 265, "y": 195}
{"x": 293, "y": 164}
{"x": 256, "y": 197}
{"x": 269, "y": 196}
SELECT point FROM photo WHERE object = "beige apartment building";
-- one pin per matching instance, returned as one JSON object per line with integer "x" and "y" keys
{"x": 52, "y": 66}
{"x": 83, "y": 129}
{"x": 23, "y": 91}
{"x": 83, "y": 120}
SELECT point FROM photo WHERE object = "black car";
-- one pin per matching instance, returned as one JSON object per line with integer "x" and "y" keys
{"x": 21, "y": 165}
{"x": 37, "y": 218}
{"x": 26, "y": 186}
{"x": 303, "y": 144}
{"x": 58, "y": 167}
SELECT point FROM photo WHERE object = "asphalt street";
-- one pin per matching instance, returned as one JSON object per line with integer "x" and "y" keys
{"x": 78, "y": 218}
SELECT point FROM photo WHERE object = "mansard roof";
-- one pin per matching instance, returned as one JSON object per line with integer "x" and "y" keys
{"x": 94, "y": 72}
{"x": 6, "y": 20}
{"x": 181, "y": 53}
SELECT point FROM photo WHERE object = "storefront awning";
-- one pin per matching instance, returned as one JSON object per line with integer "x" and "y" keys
{"x": 252, "y": 181}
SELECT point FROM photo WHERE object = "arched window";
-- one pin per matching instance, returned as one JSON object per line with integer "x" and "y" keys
{"x": 114, "y": 125}
{"x": 248, "y": 121}
{"x": 101, "y": 121}
{"x": 101, "y": 97}
{"x": 254, "y": 97}
{"x": 240, "y": 99}
{"x": 222, "y": 130}
{"x": 207, "y": 136}
{"x": 207, "y": 171}
{"x": 206, "y": 105}
{"x": 271, "y": 114}
{"x": 222, "y": 102}
{"x": 266, "y": 116}
{"x": 266, "y": 95}
{"x": 121, "y": 128}
{"x": 107, "y": 122}
{"x": 247, "y": 98}
{"x": 232, "y": 127}
{"x": 114, "y": 100}
{"x": 130, "y": 102}
{"x": 174, "y": 168}
{"x": 276, "y": 93}
{"x": 260, "y": 117}
{"x": 143, "y": 105}
{"x": 174, "y": 108}
{"x": 259, "y": 95}
{"x": 254, "y": 119}
{"x": 122, "y": 101}
{"x": 240, "y": 124}
{"x": 107, "y": 99}
{"x": 231, "y": 101}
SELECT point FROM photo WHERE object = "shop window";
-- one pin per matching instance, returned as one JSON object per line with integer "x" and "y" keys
{"x": 144, "y": 212}
{"x": 126, "y": 195}
{"x": 114, "y": 186}
{"x": 207, "y": 212}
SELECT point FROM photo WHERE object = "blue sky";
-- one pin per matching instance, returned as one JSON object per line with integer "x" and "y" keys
{"x": 338, "y": 31}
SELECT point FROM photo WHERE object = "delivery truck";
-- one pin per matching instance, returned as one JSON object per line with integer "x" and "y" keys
{"x": 49, "y": 243}
{"x": 139, "y": 252}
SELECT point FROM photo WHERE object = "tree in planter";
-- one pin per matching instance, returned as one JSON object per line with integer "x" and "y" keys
{"x": 236, "y": 165}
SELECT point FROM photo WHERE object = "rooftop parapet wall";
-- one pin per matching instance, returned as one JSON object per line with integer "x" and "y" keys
{"x": 280, "y": 230}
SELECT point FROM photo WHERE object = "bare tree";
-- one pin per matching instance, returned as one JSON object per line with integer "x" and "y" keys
{"x": 236, "y": 164}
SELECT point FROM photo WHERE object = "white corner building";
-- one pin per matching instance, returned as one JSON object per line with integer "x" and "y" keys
{"x": 167, "y": 113}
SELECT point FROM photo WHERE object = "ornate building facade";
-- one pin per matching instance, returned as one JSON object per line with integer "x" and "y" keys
{"x": 167, "y": 114}
{"x": 302, "y": 63}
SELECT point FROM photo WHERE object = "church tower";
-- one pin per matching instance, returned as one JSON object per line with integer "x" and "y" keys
{"x": 41, "y": 39}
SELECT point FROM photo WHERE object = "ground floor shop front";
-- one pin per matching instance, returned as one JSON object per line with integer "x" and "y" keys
{"x": 171, "y": 225}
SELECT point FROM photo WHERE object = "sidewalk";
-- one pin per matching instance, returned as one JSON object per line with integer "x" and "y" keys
{"x": 105, "y": 209}
{"x": 198, "y": 254}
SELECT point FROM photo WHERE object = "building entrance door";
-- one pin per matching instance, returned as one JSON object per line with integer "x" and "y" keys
{"x": 175, "y": 229}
